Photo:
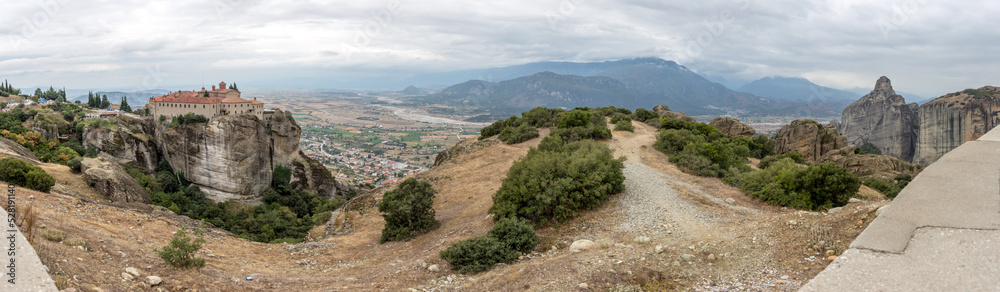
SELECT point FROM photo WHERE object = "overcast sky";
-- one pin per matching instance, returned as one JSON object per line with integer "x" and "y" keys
{"x": 927, "y": 47}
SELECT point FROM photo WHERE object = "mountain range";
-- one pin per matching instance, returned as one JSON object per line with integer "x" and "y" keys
{"x": 632, "y": 83}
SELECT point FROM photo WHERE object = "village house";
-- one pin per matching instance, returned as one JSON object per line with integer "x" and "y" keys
{"x": 219, "y": 101}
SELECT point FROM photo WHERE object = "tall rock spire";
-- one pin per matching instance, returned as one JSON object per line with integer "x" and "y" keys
{"x": 883, "y": 119}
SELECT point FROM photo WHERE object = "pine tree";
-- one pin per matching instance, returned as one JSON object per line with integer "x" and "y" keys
{"x": 124, "y": 105}
{"x": 104, "y": 102}
{"x": 90, "y": 99}
{"x": 38, "y": 92}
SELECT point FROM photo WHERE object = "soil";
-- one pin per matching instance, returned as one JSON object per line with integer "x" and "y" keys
{"x": 711, "y": 237}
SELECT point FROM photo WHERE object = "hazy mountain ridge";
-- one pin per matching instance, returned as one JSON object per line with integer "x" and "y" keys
{"x": 633, "y": 83}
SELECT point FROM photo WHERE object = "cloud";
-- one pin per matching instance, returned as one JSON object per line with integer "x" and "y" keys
{"x": 927, "y": 47}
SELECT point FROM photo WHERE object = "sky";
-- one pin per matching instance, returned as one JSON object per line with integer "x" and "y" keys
{"x": 926, "y": 47}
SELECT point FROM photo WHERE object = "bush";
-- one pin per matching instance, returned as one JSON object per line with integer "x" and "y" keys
{"x": 53, "y": 235}
{"x": 181, "y": 249}
{"x": 555, "y": 180}
{"x": 624, "y": 125}
{"x": 522, "y": 133}
{"x": 870, "y": 148}
{"x": 408, "y": 211}
{"x": 618, "y": 117}
{"x": 642, "y": 114}
{"x": 887, "y": 189}
{"x": 794, "y": 156}
{"x": 784, "y": 183}
{"x": 478, "y": 254}
{"x": 22, "y": 173}
{"x": 75, "y": 164}
{"x": 515, "y": 234}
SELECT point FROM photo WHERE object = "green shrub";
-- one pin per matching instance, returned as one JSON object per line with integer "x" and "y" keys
{"x": 22, "y": 173}
{"x": 870, "y": 148}
{"x": 887, "y": 189}
{"x": 624, "y": 125}
{"x": 181, "y": 249}
{"x": 642, "y": 114}
{"x": 784, "y": 183}
{"x": 555, "y": 180}
{"x": 591, "y": 131}
{"x": 515, "y": 234}
{"x": 53, "y": 235}
{"x": 618, "y": 117}
{"x": 794, "y": 156}
{"x": 671, "y": 141}
{"x": 478, "y": 254}
{"x": 514, "y": 135}
{"x": 408, "y": 211}
{"x": 75, "y": 164}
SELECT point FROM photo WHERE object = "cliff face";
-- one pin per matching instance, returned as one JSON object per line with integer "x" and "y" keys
{"x": 127, "y": 141}
{"x": 233, "y": 157}
{"x": 228, "y": 157}
{"x": 883, "y": 119}
{"x": 809, "y": 138}
{"x": 950, "y": 120}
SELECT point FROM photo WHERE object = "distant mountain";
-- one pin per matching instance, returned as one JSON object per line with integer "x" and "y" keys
{"x": 139, "y": 98}
{"x": 545, "y": 89}
{"x": 797, "y": 89}
{"x": 633, "y": 83}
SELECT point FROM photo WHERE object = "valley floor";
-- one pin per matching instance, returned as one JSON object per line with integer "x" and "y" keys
{"x": 667, "y": 231}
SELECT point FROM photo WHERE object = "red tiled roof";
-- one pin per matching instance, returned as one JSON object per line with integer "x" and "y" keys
{"x": 234, "y": 100}
{"x": 184, "y": 97}
{"x": 255, "y": 102}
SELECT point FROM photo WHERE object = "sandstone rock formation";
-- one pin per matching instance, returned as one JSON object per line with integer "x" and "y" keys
{"x": 809, "y": 138}
{"x": 228, "y": 157}
{"x": 663, "y": 110}
{"x": 881, "y": 167}
{"x": 883, "y": 119}
{"x": 109, "y": 179}
{"x": 128, "y": 141}
{"x": 953, "y": 119}
{"x": 11, "y": 149}
{"x": 732, "y": 127}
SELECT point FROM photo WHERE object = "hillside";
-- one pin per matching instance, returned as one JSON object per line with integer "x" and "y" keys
{"x": 711, "y": 236}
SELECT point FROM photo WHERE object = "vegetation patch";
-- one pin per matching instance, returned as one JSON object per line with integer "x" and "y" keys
{"x": 408, "y": 211}
{"x": 286, "y": 214}
{"x": 552, "y": 182}
{"x": 503, "y": 244}
{"x": 785, "y": 183}
{"x": 22, "y": 173}
{"x": 181, "y": 249}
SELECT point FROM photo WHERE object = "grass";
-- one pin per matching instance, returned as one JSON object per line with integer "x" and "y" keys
{"x": 55, "y": 235}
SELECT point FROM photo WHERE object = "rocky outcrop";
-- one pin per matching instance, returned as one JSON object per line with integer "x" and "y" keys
{"x": 809, "y": 138}
{"x": 109, "y": 179}
{"x": 10, "y": 148}
{"x": 285, "y": 134}
{"x": 732, "y": 127}
{"x": 883, "y": 119}
{"x": 233, "y": 157}
{"x": 127, "y": 140}
{"x": 881, "y": 167}
{"x": 229, "y": 157}
{"x": 953, "y": 119}
{"x": 663, "y": 110}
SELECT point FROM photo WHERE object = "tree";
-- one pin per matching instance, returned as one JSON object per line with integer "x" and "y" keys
{"x": 104, "y": 102}
{"x": 206, "y": 94}
{"x": 124, "y": 105}
{"x": 38, "y": 92}
{"x": 181, "y": 249}
{"x": 408, "y": 211}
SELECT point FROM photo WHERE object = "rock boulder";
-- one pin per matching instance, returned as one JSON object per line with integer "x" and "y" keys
{"x": 809, "y": 138}
{"x": 663, "y": 110}
{"x": 732, "y": 127}
{"x": 109, "y": 179}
